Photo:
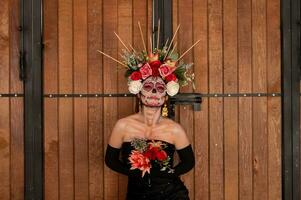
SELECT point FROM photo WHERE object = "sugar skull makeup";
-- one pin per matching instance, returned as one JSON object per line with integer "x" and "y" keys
{"x": 153, "y": 91}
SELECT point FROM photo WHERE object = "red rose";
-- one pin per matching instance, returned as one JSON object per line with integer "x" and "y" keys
{"x": 146, "y": 71}
{"x": 171, "y": 77}
{"x": 136, "y": 76}
{"x": 165, "y": 70}
{"x": 151, "y": 153}
{"x": 161, "y": 155}
{"x": 155, "y": 65}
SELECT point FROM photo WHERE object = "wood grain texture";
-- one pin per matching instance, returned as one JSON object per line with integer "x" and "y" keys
{"x": 274, "y": 104}
{"x": 185, "y": 40}
{"x": 4, "y": 102}
{"x": 80, "y": 75}
{"x": 65, "y": 107}
{"x": 16, "y": 111}
{"x": 245, "y": 143}
{"x": 51, "y": 105}
{"x": 230, "y": 80}
{"x": 259, "y": 71}
{"x": 110, "y": 86}
{"x": 201, "y": 120}
{"x": 124, "y": 105}
{"x": 216, "y": 104}
{"x": 95, "y": 105}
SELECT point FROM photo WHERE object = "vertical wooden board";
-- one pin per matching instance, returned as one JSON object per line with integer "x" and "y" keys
{"x": 110, "y": 86}
{"x": 51, "y": 105}
{"x": 66, "y": 137}
{"x": 215, "y": 104}
{"x": 16, "y": 85}
{"x": 81, "y": 176}
{"x": 4, "y": 47}
{"x": 201, "y": 133}
{"x": 95, "y": 105}
{"x": 245, "y": 103}
{"x": 186, "y": 112}
{"x": 51, "y": 149}
{"x": 125, "y": 105}
{"x": 274, "y": 148}
{"x": 274, "y": 104}
{"x": 16, "y": 107}
{"x": 4, "y": 146}
{"x": 260, "y": 154}
{"x": 230, "y": 103}
{"x": 17, "y": 149}
{"x": 140, "y": 15}
{"x": 4, "y": 102}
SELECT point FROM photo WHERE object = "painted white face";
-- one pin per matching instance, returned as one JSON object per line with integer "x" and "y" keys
{"x": 153, "y": 91}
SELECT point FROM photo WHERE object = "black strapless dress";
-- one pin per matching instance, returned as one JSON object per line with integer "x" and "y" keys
{"x": 150, "y": 186}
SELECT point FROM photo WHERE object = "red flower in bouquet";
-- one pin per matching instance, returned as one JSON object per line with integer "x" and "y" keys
{"x": 155, "y": 67}
{"x": 136, "y": 75}
{"x": 139, "y": 161}
{"x": 145, "y": 71}
{"x": 161, "y": 155}
{"x": 171, "y": 77}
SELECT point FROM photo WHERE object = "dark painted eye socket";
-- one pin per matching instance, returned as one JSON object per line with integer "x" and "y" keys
{"x": 148, "y": 86}
{"x": 160, "y": 88}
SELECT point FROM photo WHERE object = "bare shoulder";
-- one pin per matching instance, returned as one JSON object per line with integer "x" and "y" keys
{"x": 180, "y": 137}
{"x": 116, "y": 137}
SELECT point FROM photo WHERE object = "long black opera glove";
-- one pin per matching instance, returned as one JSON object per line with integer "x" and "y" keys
{"x": 113, "y": 162}
{"x": 187, "y": 162}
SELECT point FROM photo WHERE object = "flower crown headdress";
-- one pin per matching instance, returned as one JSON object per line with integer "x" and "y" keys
{"x": 163, "y": 62}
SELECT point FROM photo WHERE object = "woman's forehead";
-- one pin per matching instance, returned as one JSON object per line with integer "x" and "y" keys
{"x": 154, "y": 79}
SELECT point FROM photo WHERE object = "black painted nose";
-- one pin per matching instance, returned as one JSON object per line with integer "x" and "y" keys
{"x": 154, "y": 90}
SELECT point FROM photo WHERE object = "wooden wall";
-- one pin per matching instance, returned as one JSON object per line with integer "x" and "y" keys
{"x": 77, "y": 129}
{"x": 11, "y": 106}
{"x": 236, "y": 140}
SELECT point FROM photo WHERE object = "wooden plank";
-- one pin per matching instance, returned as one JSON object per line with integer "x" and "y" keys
{"x": 51, "y": 105}
{"x": 201, "y": 131}
{"x": 4, "y": 102}
{"x": 16, "y": 108}
{"x": 95, "y": 105}
{"x": 140, "y": 15}
{"x": 16, "y": 86}
{"x": 125, "y": 105}
{"x": 215, "y": 104}
{"x": 230, "y": 103}
{"x": 260, "y": 142}
{"x": 110, "y": 83}
{"x": 186, "y": 113}
{"x": 274, "y": 104}
{"x": 81, "y": 174}
{"x": 245, "y": 103}
{"x": 66, "y": 152}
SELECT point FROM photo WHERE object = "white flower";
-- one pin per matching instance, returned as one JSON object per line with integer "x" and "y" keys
{"x": 135, "y": 86}
{"x": 172, "y": 88}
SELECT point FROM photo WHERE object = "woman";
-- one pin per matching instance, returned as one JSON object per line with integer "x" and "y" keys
{"x": 149, "y": 124}
{"x": 147, "y": 141}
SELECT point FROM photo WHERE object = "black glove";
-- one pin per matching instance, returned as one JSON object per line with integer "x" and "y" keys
{"x": 187, "y": 162}
{"x": 113, "y": 162}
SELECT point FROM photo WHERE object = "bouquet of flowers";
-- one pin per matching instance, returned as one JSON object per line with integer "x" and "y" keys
{"x": 163, "y": 62}
{"x": 146, "y": 153}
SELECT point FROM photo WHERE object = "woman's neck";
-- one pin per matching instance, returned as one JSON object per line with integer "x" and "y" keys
{"x": 151, "y": 115}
